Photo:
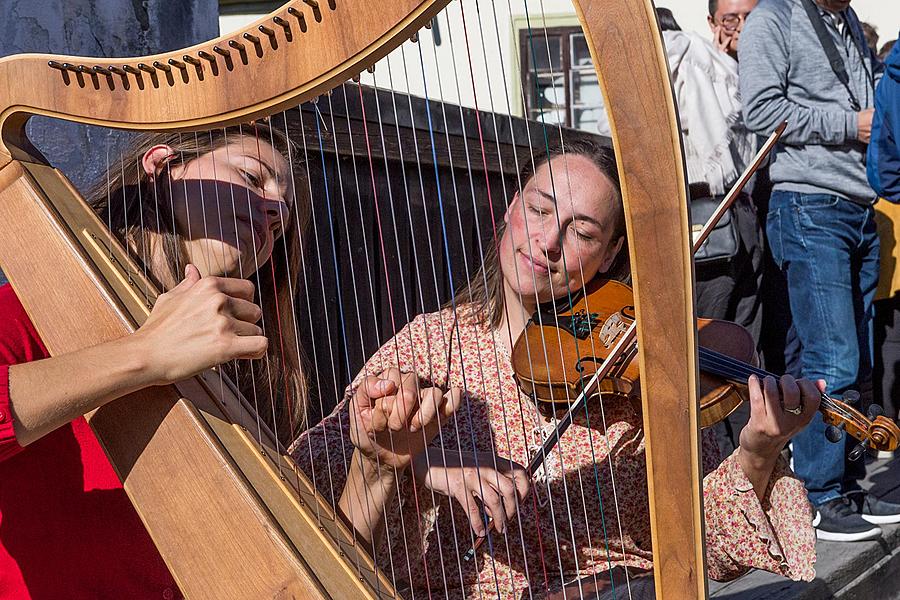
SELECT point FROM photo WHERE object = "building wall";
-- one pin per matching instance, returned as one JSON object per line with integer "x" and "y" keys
{"x": 493, "y": 46}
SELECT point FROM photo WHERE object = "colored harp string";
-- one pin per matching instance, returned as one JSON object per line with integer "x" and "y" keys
{"x": 407, "y": 182}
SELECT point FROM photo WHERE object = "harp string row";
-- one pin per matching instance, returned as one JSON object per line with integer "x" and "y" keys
{"x": 448, "y": 199}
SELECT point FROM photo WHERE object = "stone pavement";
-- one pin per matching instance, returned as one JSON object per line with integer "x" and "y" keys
{"x": 849, "y": 571}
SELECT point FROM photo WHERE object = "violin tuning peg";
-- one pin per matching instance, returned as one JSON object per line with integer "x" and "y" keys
{"x": 875, "y": 411}
{"x": 850, "y": 397}
{"x": 834, "y": 434}
{"x": 858, "y": 451}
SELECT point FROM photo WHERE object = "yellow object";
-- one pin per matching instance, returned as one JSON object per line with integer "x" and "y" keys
{"x": 887, "y": 219}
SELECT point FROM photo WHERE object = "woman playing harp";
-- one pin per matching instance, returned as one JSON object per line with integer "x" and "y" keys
{"x": 220, "y": 216}
{"x": 563, "y": 228}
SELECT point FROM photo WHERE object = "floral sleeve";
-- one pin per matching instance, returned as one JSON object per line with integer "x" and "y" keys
{"x": 744, "y": 533}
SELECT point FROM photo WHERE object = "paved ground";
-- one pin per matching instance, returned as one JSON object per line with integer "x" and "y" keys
{"x": 849, "y": 571}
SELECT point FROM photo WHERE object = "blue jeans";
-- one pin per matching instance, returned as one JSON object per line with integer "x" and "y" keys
{"x": 828, "y": 249}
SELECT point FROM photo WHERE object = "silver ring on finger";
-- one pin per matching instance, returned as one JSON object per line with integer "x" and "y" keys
{"x": 794, "y": 411}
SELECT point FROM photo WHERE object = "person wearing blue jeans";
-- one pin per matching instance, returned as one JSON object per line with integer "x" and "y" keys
{"x": 806, "y": 62}
{"x": 814, "y": 238}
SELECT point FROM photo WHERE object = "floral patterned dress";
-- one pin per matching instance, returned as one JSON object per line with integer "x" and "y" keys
{"x": 587, "y": 510}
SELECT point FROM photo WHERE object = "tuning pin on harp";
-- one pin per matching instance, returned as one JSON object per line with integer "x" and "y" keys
{"x": 834, "y": 433}
{"x": 858, "y": 451}
{"x": 875, "y": 411}
{"x": 850, "y": 397}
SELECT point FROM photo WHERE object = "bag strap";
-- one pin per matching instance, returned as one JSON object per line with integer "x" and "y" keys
{"x": 831, "y": 51}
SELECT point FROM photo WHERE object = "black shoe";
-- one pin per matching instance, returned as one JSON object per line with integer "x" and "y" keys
{"x": 874, "y": 510}
{"x": 838, "y": 521}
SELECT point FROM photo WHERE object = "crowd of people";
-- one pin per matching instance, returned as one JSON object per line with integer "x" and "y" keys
{"x": 815, "y": 250}
{"x": 425, "y": 451}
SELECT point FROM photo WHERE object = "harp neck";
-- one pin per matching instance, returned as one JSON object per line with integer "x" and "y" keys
{"x": 299, "y": 51}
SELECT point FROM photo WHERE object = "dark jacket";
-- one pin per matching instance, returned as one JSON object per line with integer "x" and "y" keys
{"x": 883, "y": 166}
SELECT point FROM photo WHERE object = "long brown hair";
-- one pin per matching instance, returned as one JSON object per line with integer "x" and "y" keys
{"x": 138, "y": 210}
{"x": 485, "y": 291}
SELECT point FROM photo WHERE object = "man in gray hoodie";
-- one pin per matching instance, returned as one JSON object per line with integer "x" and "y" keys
{"x": 820, "y": 225}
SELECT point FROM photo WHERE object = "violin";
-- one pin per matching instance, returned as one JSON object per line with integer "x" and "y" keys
{"x": 565, "y": 344}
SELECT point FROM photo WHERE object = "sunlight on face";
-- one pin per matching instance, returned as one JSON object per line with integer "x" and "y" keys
{"x": 230, "y": 205}
{"x": 559, "y": 230}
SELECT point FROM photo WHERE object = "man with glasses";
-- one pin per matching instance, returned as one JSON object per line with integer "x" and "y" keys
{"x": 806, "y": 62}
{"x": 726, "y": 20}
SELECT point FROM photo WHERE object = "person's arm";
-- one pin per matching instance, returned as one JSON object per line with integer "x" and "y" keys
{"x": 764, "y": 72}
{"x": 392, "y": 420}
{"x": 883, "y": 158}
{"x": 197, "y": 325}
{"x": 757, "y": 515}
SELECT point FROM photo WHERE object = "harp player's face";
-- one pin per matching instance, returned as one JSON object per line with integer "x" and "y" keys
{"x": 230, "y": 205}
{"x": 559, "y": 231}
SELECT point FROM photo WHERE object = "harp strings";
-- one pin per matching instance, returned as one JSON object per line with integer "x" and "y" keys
{"x": 593, "y": 349}
{"x": 411, "y": 282}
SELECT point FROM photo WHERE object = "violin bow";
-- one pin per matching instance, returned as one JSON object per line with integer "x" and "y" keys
{"x": 738, "y": 187}
{"x": 628, "y": 343}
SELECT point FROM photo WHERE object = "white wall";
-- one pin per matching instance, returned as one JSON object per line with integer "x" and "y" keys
{"x": 492, "y": 48}
{"x": 691, "y": 14}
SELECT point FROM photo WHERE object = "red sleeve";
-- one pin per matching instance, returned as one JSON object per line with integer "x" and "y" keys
{"x": 19, "y": 342}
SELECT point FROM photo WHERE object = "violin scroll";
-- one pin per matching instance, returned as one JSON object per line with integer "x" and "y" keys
{"x": 875, "y": 431}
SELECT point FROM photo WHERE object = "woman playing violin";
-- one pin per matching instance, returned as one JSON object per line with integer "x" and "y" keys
{"x": 582, "y": 522}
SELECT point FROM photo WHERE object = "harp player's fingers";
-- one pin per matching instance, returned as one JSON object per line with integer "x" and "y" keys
{"x": 245, "y": 329}
{"x": 237, "y": 288}
{"x": 248, "y": 347}
{"x": 243, "y": 310}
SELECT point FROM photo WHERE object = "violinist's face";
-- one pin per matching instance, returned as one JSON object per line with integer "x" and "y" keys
{"x": 230, "y": 205}
{"x": 559, "y": 230}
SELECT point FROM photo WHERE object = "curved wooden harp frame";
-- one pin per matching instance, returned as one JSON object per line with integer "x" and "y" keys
{"x": 227, "y": 524}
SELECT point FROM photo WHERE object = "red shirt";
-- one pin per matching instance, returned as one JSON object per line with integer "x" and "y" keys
{"x": 67, "y": 529}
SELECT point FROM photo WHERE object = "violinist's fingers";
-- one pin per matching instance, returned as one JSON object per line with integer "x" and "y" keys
{"x": 430, "y": 400}
{"x": 452, "y": 401}
{"x": 522, "y": 481}
{"x": 822, "y": 385}
{"x": 790, "y": 394}
{"x": 493, "y": 505}
{"x": 406, "y": 402}
{"x": 772, "y": 399}
{"x": 757, "y": 402}
{"x": 378, "y": 417}
{"x": 517, "y": 474}
{"x": 509, "y": 494}
{"x": 468, "y": 502}
{"x": 811, "y": 395}
{"x": 374, "y": 387}
{"x": 392, "y": 374}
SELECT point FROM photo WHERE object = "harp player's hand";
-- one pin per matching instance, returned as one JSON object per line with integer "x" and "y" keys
{"x": 393, "y": 417}
{"x": 198, "y": 324}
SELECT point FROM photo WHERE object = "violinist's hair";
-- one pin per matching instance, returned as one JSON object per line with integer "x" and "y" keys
{"x": 138, "y": 210}
{"x": 485, "y": 291}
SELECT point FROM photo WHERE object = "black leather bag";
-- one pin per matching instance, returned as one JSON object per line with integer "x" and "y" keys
{"x": 723, "y": 243}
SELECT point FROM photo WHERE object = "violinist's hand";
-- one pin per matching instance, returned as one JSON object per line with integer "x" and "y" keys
{"x": 393, "y": 418}
{"x": 772, "y": 424}
{"x": 472, "y": 480}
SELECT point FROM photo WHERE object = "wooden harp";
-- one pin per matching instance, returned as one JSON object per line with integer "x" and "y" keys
{"x": 215, "y": 500}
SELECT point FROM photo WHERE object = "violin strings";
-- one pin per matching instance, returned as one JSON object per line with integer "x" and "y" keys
{"x": 739, "y": 371}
